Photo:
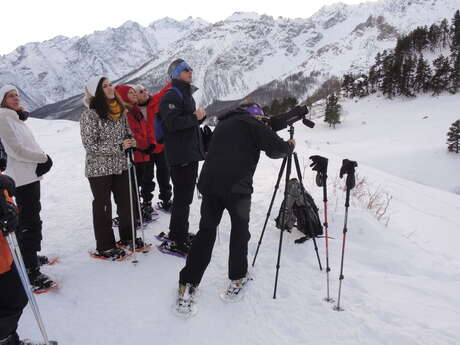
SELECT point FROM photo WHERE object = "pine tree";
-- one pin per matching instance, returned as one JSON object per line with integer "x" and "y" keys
{"x": 347, "y": 84}
{"x": 406, "y": 81}
{"x": 440, "y": 80}
{"x": 454, "y": 77}
{"x": 422, "y": 76}
{"x": 388, "y": 84}
{"x": 333, "y": 110}
{"x": 453, "y": 137}
{"x": 456, "y": 32}
{"x": 444, "y": 33}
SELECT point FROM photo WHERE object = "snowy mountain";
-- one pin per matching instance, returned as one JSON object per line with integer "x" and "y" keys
{"x": 402, "y": 273}
{"x": 56, "y": 69}
{"x": 237, "y": 56}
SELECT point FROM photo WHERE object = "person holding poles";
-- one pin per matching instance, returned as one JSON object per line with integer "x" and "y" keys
{"x": 106, "y": 136}
{"x": 14, "y": 282}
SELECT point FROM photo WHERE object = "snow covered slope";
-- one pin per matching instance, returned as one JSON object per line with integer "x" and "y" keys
{"x": 401, "y": 281}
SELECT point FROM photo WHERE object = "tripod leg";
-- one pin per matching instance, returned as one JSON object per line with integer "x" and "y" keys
{"x": 299, "y": 175}
{"x": 278, "y": 263}
{"x": 19, "y": 262}
{"x": 288, "y": 175}
{"x": 280, "y": 174}
{"x": 136, "y": 186}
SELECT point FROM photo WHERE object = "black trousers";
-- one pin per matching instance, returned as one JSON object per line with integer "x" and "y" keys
{"x": 144, "y": 172}
{"x": 102, "y": 187}
{"x": 13, "y": 300}
{"x": 30, "y": 225}
{"x": 199, "y": 256}
{"x": 163, "y": 175}
{"x": 184, "y": 180}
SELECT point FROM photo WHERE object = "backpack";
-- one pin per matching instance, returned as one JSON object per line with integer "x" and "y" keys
{"x": 295, "y": 209}
{"x": 158, "y": 125}
{"x": 307, "y": 216}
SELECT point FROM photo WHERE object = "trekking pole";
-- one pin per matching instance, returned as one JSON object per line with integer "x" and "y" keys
{"x": 136, "y": 186}
{"x": 131, "y": 206}
{"x": 22, "y": 272}
{"x": 313, "y": 236}
{"x": 320, "y": 165}
{"x": 280, "y": 174}
{"x": 348, "y": 168}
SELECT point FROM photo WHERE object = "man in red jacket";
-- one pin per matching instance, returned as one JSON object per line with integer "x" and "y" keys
{"x": 149, "y": 106}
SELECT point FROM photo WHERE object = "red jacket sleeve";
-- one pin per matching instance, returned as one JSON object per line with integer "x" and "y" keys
{"x": 139, "y": 129}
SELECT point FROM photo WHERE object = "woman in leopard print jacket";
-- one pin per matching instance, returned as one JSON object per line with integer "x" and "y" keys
{"x": 106, "y": 135}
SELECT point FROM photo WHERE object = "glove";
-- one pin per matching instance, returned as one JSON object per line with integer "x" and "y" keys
{"x": 2, "y": 164}
{"x": 348, "y": 168}
{"x": 43, "y": 168}
{"x": 7, "y": 183}
{"x": 149, "y": 150}
{"x": 9, "y": 219}
{"x": 23, "y": 115}
{"x": 319, "y": 164}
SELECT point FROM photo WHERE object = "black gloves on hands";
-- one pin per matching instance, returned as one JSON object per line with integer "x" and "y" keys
{"x": 9, "y": 219}
{"x": 7, "y": 183}
{"x": 8, "y": 212}
{"x": 43, "y": 168}
{"x": 319, "y": 164}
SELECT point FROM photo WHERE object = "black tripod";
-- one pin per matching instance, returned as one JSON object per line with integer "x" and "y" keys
{"x": 287, "y": 161}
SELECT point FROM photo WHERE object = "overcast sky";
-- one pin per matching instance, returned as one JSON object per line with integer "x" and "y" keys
{"x": 26, "y": 21}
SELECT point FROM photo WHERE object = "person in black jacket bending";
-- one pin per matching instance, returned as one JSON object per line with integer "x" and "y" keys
{"x": 226, "y": 183}
{"x": 184, "y": 149}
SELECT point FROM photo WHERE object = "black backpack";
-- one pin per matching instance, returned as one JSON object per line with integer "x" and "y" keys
{"x": 295, "y": 209}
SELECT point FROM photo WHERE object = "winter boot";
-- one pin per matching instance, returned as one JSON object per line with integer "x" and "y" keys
{"x": 165, "y": 205}
{"x": 40, "y": 282}
{"x": 185, "y": 301}
{"x": 235, "y": 289}
{"x": 173, "y": 248}
{"x": 114, "y": 254}
{"x": 128, "y": 245}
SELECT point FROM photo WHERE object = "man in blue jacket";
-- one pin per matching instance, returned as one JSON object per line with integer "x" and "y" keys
{"x": 184, "y": 149}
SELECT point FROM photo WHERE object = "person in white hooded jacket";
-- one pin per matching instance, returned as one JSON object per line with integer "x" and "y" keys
{"x": 26, "y": 164}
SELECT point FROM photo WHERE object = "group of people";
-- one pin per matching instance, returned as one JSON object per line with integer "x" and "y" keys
{"x": 125, "y": 124}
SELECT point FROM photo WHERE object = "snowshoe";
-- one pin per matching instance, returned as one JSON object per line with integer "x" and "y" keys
{"x": 185, "y": 303}
{"x": 114, "y": 254}
{"x": 13, "y": 339}
{"x": 45, "y": 260}
{"x": 41, "y": 283}
{"x": 128, "y": 245}
{"x": 28, "y": 342}
{"x": 165, "y": 206}
{"x": 171, "y": 248}
{"x": 235, "y": 289}
{"x": 162, "y": 237}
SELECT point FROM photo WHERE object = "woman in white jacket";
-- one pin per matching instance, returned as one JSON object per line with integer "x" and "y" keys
{"x": 26, "y": 164}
